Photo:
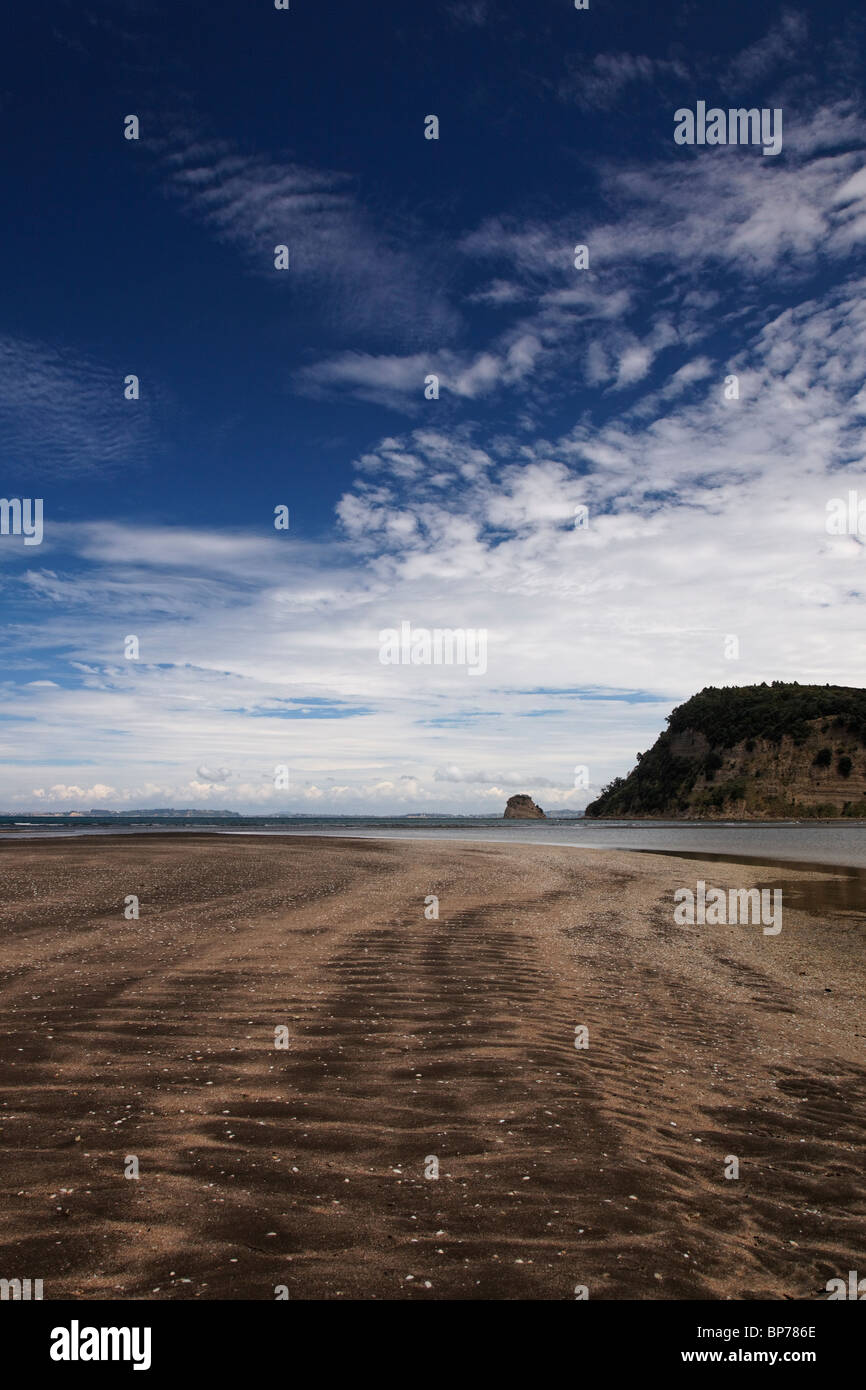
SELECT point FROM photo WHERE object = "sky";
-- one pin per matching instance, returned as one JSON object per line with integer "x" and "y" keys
{"x": 433, "y": 388}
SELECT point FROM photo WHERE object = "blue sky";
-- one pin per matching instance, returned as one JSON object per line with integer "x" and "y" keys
{"x": 602, "y": 387}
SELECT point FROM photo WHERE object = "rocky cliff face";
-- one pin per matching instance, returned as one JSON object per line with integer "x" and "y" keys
{"x": 754, "y": 752}
{"x": 523, "y": 808}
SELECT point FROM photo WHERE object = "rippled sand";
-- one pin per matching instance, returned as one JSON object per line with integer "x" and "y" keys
{"x": 410, "y": 1040}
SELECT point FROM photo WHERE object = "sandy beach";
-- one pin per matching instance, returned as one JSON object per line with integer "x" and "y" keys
{"x": 411, "y": 1040}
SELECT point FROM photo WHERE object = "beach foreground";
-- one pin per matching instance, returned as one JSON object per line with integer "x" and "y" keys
{"x": 415, "y": 1044}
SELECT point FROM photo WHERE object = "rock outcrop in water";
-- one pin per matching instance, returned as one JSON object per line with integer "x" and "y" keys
{"x": 754, "y": 752}
{"x": 522, "y": 807}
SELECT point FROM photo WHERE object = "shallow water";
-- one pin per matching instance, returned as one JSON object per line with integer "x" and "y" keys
{"x": 808, "y": 843}
{"x": 845, "y": 891}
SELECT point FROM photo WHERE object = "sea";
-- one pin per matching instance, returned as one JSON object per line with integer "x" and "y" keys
{"x": 806, "y": 843}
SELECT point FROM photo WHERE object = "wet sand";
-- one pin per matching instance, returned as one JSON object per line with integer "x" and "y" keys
{"x": 412, "y": 1039}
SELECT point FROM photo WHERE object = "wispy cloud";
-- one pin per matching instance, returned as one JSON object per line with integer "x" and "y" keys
{"x": 61, "y": 413}
{"x": 369, "y": 280}
{"x": 600, "y": 83}
{"x": 784, "y": 45}
{"x": 395, "y": 381}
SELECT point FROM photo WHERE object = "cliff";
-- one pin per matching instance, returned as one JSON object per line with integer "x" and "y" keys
{"x": 751, "y": 752}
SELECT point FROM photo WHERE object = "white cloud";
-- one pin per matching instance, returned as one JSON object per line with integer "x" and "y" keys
{"x": 503, "y": 779}
{"x": 60, "y": 793}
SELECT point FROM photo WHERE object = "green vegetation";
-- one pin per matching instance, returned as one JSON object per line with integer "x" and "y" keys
{"x": 728, "y": 715}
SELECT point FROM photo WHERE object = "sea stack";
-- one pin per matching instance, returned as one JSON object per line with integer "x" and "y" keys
{"x": 522, "y": 807}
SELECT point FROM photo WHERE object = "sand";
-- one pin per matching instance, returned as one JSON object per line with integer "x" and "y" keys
{"x": 410, "y": 1040}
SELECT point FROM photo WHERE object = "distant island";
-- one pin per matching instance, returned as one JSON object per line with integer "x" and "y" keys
{"x": 161, "y": 812}
{"x": 751, "y": 752}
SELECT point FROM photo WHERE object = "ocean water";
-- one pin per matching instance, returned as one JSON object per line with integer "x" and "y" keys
{"x": 840, "y": 843}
